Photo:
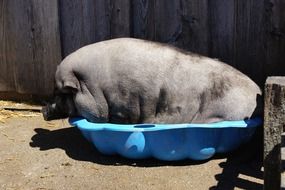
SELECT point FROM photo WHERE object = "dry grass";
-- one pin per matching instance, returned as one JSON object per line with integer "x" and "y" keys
{"x": 4, "y": 103}
{"x": 6, "y": 114}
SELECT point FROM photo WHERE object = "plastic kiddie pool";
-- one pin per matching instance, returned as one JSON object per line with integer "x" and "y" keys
{"x": 167, "y": 141}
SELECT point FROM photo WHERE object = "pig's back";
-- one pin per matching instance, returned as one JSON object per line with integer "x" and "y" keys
{"x": 151, "y": 61}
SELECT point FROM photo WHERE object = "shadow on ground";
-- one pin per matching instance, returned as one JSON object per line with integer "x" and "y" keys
{"x": 231, "y": 177}
{"x": 246, "y": 161}
{"x": 78, "y": 148}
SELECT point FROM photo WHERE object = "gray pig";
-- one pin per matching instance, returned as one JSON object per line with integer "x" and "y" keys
{"x": 129, "y": 80}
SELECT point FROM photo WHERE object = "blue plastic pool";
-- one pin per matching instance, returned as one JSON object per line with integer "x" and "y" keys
{"x": 167, "y": 141}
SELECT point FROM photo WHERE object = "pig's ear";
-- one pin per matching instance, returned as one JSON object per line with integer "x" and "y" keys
{"x": 69, "y": 86}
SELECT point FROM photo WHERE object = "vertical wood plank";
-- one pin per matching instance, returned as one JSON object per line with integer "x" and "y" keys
{"x": 274, "y": 121}
{"x": 102, "y": 20}
{"x": 7, "y": 82}
{"x": 168, "y": 27}
{"x": 250, "y": 38}
{"x": 143, "y": 19}
{"x": 221, "y": 30}
{"x": 194, "y": 21}
{"x": 120, "y": 18}
{"x": 77, "y": 24}
{"x": 32, "y": 48}
{"x": 275, "y": 39}
{"x": 181, "y": 23}
{"x": 46, "y": 45}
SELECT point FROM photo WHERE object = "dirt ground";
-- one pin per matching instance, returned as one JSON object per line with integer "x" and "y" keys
{"x": 35, "y": 154}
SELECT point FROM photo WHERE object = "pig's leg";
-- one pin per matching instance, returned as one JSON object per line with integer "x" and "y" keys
{"x": 92, "y": 106}
{"x": 123, "y": 109}
{"x": 161, "y": 108}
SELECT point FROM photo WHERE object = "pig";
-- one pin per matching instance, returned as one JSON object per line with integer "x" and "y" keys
{"x": 128, "y": 81}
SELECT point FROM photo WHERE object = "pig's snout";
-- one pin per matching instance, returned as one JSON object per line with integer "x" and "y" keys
{"x": 47, "y": 112}
{"x": 60, "y": 108}
{"x": 53, "y": 111}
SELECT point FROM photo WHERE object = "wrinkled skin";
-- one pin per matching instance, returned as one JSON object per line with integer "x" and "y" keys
{"x": 135, "y": 81}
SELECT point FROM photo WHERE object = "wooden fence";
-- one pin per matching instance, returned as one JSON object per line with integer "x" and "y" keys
{"x": 36, "y": 34}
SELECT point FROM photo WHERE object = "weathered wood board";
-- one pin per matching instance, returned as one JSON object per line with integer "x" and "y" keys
{"x": 30, "y": 45}
{"x": 274, "y": 122}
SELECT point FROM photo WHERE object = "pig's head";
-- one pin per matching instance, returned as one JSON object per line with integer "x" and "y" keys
{"x": 62, "y": 104}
